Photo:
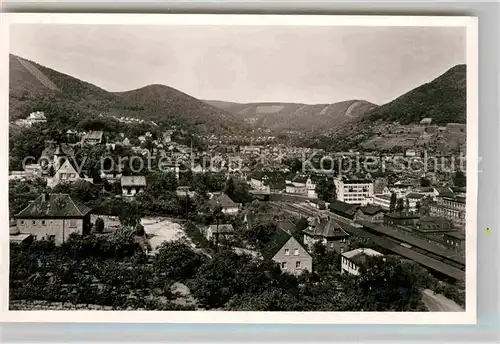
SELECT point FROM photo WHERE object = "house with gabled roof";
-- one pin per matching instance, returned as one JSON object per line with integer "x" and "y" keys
{"x": 328, "y": 232}
{"x": 287, "y": 251}
{"x": 225, "y": 202}
{"x": 92, "y": 137}
{"x": 67, "y": 173}
{"x": 219, "y": 233}
{"x": 353, "y": 261}
{"x": 132, "y": 185}
{"x": 54, "y": 217}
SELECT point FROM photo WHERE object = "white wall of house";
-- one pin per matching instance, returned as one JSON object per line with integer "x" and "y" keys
{"x": 349, "y": 267}
{"x": 50, "y": 229}
{"x": 231, "y": 211}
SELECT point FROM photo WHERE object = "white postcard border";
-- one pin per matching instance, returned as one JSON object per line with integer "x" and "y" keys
{"x": 466, "y": 317}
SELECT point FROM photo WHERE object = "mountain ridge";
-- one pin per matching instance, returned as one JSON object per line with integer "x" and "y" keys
{"x": 32, "y": 85}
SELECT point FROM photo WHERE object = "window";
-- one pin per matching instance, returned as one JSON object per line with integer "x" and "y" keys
{"x": 51, "y": 238}
{"x": 72, "y": 223}
{"x": 63, "y": 175}
{"x": 22, "y": 222}
{"x": 298, "y": 265}
{"x": 296, "y": 252}
{"x": 33, "y": 222}
{"x": 287, "y": 252}
{"x": 283, "y": 265}
{"x": 35, "y": 237}
{"x": 72, "y": 175}
{"x": 43, "y": 222}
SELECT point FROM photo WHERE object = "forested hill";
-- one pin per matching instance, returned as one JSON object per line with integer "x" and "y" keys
{"x": 33, "y": 87}
{"x": 443, "y": 99}
{"x": 304, "y": 118}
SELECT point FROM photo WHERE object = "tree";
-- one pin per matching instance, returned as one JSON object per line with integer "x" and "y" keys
{"x": 392, "y": 206}
{"x": 325, "y": 189}
{"x": 459, "y": 179}
{"x": 162, "y": 182}
{"x": 176, "y": 260}
{"x": 301, "y": 224}
{"x": 229, "y": 187}
{"x": 391, "y": 284}
{"x": 217, "y": 214}
{"x": 424, "y": 182}
{"x": 130, "y": 215}
{"x": 99, "y": 225}
{"x": 400, "y": 205}
{"x": 273, "y": 299}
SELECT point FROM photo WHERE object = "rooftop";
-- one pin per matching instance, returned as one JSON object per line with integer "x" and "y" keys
{"x": 360, "y": 255}
{"x": 456, "y": 235}
{"x": 371, "y": 209}
{"x": 133, "y": 181}
{"x": 326, "y": 227}
{"x": 222, "y": 228}
{"x": 223, "y": 200}
{"x": 93, "y": 135}
{"x": 54, "y": 205}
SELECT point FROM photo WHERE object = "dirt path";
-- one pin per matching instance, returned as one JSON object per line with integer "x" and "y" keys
{"x": 439, "y": 303}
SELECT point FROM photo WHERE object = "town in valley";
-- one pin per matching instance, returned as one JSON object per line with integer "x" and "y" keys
{"x": 152, "y": 199}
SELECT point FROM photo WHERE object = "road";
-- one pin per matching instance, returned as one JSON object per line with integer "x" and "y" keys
{"x": 439, "y": 303}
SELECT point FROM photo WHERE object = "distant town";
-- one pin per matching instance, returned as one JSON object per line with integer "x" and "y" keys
{"x": 256, "y": 200}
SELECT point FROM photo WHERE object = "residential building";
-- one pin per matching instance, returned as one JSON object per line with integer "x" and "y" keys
{"x": 34, "y": 118}
{"x": 328, "y": 232}
{"x": 400, "y": 189}
{"x": 382, "y": 200}
{"x": 452, "y": 208}
{"x": 52, "y": 154}
{"x": 67, "y": 173}
{"x": 352, "y": 261}
{"x": 167, "y": 136}
{"x": 267, "y": 181}
{"x": 371, "y": 213}
{"x": 170, "y": 166}
{"x": 54, "y": 217}
{"x": 92, "y": 138}
{"x": 311, "y": 182}
{"x": 250, "y": 149}
{"x": 228, "y": 206}
{"x": 132, "y": 185}
{"x": 414, "y": 198}
{"x": 291, "y": 257}
{"x": 219, "y": 233}
{"x": 296, "y": 184}
{"x": 183, "y": 191}
{"x": 353, "y": 191}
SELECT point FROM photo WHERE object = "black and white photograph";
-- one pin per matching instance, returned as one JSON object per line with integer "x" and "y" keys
{"x": 242, "y": 167}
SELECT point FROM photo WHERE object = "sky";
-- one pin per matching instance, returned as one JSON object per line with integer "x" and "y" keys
{"x": 312, "y": 65}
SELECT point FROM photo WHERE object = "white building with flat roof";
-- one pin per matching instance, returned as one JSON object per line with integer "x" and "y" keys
{"x": 353, "y": 191}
